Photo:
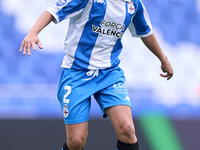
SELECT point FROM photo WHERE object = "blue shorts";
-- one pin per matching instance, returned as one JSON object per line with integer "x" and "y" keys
{"x": 76, "y": 88}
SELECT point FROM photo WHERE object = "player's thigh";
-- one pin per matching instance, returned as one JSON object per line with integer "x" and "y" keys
{"x": 77, "y": 132}
{"x": 121, "y": 118}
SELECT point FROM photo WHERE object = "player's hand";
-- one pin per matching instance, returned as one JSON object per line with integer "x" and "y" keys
{"x": 29, "y": 41}
{"x": 167, "y": 69}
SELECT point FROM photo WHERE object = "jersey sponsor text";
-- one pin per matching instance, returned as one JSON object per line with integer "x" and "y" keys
{"x": 112, "y": 28}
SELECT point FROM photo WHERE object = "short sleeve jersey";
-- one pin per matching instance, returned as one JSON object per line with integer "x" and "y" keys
{"x": 95, "y": 30}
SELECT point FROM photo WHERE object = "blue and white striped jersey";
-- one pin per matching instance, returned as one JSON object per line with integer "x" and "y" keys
{"x": 95, "y": 30}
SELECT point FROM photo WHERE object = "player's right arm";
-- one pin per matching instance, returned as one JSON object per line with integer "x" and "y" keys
{"x": 32, "y": 37}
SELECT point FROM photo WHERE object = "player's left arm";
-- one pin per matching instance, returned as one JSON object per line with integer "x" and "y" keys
{"x": 152, "y": 44}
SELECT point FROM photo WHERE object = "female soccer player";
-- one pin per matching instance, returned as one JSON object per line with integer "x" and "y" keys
{"x": 90, "y": 66}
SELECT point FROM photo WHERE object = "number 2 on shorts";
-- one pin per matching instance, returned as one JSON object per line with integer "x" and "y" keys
{"x": 68, "y": 88}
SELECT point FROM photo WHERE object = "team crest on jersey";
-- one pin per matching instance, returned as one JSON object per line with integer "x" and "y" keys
{"x": 131, "y": 8}
{"x": 65, "y": 111}
{"x": 61, "y": 2}
{"x": 99, "y": 1}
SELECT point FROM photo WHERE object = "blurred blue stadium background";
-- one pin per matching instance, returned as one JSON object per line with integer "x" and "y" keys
{"x": 28, "y": 84}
